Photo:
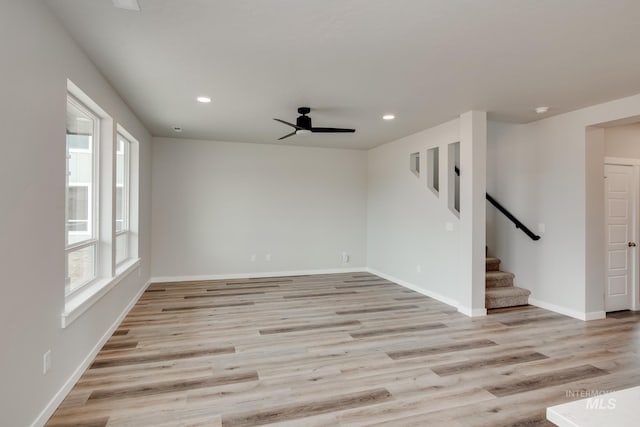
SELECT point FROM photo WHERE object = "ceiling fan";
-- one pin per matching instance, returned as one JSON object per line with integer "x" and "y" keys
{"x": 303, "y": 125}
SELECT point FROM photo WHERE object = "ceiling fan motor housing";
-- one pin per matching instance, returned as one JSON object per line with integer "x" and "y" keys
{"x": 304, "y": 122}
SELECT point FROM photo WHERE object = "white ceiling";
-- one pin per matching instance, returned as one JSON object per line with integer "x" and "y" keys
{"x": 351, "y": 61}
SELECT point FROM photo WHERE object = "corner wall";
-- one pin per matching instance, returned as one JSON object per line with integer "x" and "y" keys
{"x": 217, "y": 205}
{"x": 542, "y": 172}
{"x": 37, "y": 60}
{"x": 413, "y": 237}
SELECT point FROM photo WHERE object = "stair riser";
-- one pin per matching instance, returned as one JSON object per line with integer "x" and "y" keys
{"x": 502, "y": 282}
{"x": 506, "y": 302}
{"x": 493, "y": 265}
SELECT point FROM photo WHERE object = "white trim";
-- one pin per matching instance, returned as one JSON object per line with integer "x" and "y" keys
{"x": 595, "y": 315}
{"x": 81, "y": 245}
{"x": 68, "y": 385}
{"x": 621, "y": 161}
{"x": 163, "y": 279}
{"x": 472, "y": 312}
{"x": 79, "y": 303}
{"x": 415, "y": 288}
{"x": 580, "y": 315}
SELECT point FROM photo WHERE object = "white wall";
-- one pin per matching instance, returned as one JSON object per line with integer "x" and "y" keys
{"x": 37, "y": 58}
{"x": 539, "y": 171}
{"x": 407, "y": 236}
{"x": 216, "y": 204}
{"x": 623, "y": 141}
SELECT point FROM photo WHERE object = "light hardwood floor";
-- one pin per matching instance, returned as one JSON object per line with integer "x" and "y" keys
{"x": 345, "y": 349}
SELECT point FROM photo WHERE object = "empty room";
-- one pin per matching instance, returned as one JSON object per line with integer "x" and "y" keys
{"x": 319, "y": 213}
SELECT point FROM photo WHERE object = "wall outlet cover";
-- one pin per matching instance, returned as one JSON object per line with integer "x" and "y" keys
{"x": 46, "y": 362}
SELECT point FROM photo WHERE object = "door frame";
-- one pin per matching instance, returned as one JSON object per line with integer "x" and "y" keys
{"x": 635, "y": 263}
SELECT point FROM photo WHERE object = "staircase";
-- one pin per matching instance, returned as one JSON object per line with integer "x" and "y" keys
{"x": 500, "y": 292}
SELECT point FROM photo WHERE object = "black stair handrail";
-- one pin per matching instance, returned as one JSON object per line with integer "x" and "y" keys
{"x": 508, "y": 214}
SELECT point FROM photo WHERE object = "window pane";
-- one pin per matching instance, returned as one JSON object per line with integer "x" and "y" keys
{"x": 122, "y": 247}
{"x": 78, "y": 213}
{"x": 122, "y": 184}
{"x": 120, "y": 209}
{"x": 79, "y": 142}
{"x": 80, "y": 172}
{"x": 80, "y": 267}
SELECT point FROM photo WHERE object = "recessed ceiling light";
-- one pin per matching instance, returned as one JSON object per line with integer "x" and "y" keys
{"x": 177, "y": 128}
{"x": 388, "y": 117}
{"x": 127, "y": 5}
{"x": 542, "y": 110}
{"x": 204, "y": 99}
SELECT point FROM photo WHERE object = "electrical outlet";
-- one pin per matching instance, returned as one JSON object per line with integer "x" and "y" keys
{"x": 345, "y": 258}
{"x": 253, "y": 258}
{"x": 267, "y": 257}
{"x": 46, "y": 362}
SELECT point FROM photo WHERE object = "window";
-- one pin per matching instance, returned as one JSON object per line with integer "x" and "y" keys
{"x": 101, "y": 204}
{"x": 122, "y": 196}
{"x": 81, "y": 237}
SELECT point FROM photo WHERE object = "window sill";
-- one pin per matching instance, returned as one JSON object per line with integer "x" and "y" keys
{"x": 79, "y": 303}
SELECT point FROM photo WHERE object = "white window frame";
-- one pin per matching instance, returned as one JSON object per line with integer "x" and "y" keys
{"x": 126, "y": 195}
{"x": 107, "y": 274}
{"x": 93, "y": 197}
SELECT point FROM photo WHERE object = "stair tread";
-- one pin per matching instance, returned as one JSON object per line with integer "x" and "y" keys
{"x": 498, "y": 274}
{"x": 510, "y": 291}
{"x": 492, "y": 259}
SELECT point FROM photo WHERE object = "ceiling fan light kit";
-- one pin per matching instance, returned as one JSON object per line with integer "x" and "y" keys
{"x": 303, "y": 125}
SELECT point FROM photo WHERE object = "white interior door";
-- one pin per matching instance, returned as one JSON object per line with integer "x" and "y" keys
{"x": 619, "y": 205}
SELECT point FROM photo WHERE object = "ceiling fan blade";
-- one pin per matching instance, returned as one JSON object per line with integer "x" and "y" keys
{"x": 287, "y": 136}
{"x": 332, "y": 130}
{"x": 288, "y": 124}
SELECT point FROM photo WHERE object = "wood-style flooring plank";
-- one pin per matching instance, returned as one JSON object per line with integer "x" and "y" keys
{"x": 546, "y": 380}
{"x": 158, "y": 357}
{"x": 307, "y": 409}
{"x": 436, "y": 349}
{"x": 149, "y": 389}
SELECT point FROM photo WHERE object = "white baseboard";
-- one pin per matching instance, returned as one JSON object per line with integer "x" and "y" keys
{"x": 472, "y": 312}
{"x": 592, "y": 315}
{"x": 595, "y": 315}
{"x": 68, "y": 385}
{"x": 418, "y": 289}
{"x": 163, "y": 279}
